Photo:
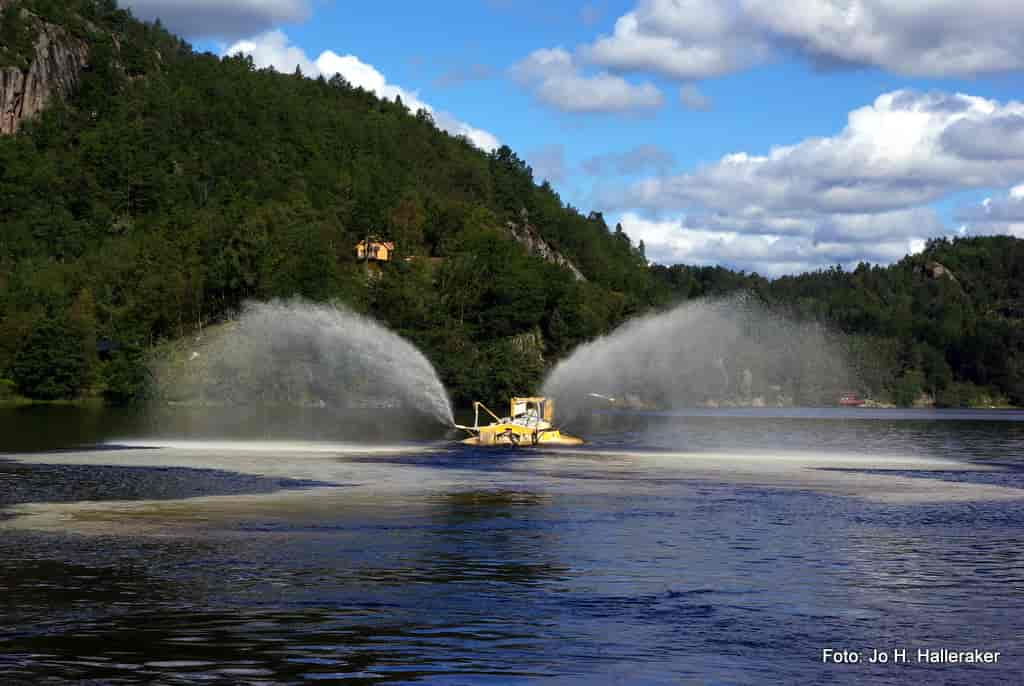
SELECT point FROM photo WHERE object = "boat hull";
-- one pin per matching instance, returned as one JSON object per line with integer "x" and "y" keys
{"x": 524, "y": 438}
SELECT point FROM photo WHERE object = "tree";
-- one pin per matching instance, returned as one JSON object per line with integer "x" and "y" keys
{"x": 424, "y": 116}
{"x": 126, "y": 376}
{"x": 51, "y": 365}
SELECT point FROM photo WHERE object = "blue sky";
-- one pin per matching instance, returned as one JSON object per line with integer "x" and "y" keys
{"x": 771, "y": 137}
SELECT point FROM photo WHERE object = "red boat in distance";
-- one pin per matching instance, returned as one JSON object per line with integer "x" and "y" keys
{"x": 850, "y": 400}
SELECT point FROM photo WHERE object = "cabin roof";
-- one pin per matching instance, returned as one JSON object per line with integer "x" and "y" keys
{"x": 390, "y": 245}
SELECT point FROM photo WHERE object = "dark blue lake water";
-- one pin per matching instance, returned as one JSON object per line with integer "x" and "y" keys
{"x": 711, "y": 547}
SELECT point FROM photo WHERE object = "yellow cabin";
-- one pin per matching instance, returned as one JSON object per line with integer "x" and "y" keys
{"x": 375, "y": 250}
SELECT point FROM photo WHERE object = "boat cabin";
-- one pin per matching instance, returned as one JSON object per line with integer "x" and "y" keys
{"x": 532, "y": 409}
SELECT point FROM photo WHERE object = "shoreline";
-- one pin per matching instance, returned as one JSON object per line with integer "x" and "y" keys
{"x": 94, "y": 401}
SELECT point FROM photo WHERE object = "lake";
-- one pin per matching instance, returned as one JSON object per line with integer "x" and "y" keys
{"x": 690, "y": 547}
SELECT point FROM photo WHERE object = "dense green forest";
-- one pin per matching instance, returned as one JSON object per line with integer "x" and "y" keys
{"x": 174, "y": 186}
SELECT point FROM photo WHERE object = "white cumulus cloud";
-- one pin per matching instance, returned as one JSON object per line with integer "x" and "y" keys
{"x": 273, "y": 49}
{"x": 915, "y": 37}
{"x": 681, "y": 39}
{"x": 892, "y": 154}
{"x": 556, "y": 80}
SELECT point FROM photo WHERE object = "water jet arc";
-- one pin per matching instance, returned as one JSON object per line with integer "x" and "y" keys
{"x": 292, "y": 353}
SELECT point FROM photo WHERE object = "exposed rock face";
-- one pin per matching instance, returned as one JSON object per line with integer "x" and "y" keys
{"x": 530, "y": 343}
{"x": 527, "y": 235}
{"x": 55, "y": 72}
{"x": 938, "y": 271}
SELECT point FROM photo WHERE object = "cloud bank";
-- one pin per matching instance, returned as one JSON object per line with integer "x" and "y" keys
{"x": 862, "y": 194}
{"x": 700, "y": 39}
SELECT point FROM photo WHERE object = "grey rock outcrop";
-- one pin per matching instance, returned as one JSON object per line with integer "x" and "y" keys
{"x": 55, "y": 72}
{"x": 531, "y": 239}
{"x": 935, "y": 270}
{"x": 530, "y": 343}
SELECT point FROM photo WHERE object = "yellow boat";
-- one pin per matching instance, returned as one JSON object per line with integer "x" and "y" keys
{"x": 528, "y": 423}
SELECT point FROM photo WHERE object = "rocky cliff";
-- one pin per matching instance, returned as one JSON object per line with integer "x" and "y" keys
{"x": 936, "y": 271}
{"x": 527, "y": 235}
{"x": 54, "y": 72}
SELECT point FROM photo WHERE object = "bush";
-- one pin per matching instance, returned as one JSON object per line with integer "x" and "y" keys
{"x": 966, "y": 394}
{"x": 51, "y": 365}
{"x": 8, "y": 390}
{"x": 908, "y": 388}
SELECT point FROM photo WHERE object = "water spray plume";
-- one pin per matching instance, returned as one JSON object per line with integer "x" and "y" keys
{"x": 706, "y": 352}
{"x": 294, "y": 353}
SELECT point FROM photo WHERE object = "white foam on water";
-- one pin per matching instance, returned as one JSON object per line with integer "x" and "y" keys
{"x": 323, "y": 462}
{"x": 844, "y": 474}
{"x": 367, "y": 480}
{"x": 278, "y": 447}
{"x": 780, "y": 461}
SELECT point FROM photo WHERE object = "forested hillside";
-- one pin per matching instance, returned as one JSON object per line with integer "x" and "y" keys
{"x": 172, "y": 186}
